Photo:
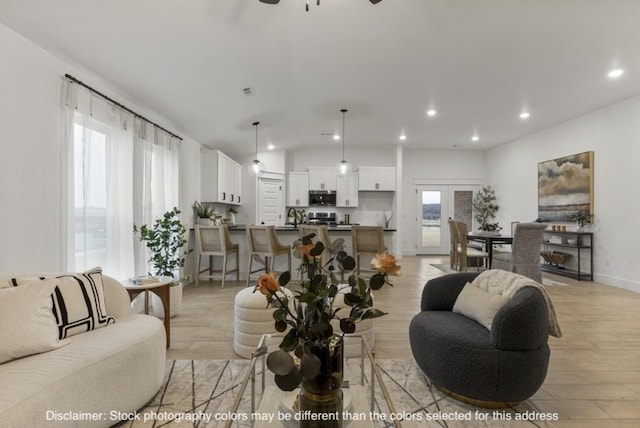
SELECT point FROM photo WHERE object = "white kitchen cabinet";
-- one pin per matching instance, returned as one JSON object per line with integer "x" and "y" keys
{"x": 347, "y": 190}
{"x": 298, "y": 189}
{"x": 377, "y": 178}
{"x": 221, "y": 178}
{"x": 322, "y": 179}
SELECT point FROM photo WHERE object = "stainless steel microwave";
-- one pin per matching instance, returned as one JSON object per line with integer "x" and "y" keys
{"x": 322, "y": 198}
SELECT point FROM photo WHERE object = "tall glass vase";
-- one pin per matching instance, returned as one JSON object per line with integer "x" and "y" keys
{"x": 321, "y": 402}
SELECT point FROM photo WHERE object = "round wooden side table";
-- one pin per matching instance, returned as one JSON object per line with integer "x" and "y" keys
{"x": 160, "y": 289}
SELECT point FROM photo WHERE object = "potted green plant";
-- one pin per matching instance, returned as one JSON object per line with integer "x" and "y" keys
{"x": 232, "y": 215}
{"x": 166, "y": 240}
{"x": 580, "y": 220}
{"x": 204, "y": 212}
{"x": 485, "y": 210}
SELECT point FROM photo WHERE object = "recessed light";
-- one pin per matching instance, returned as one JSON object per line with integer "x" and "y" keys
{"x": 475, "y": 138}
{"x": 525, "y": 115}
{"x": 403, "y": 137}
{"x": 336, "y": 137}
{"x": 271, "y": 147}
{"x": 431, "y": 112}
{"x": 615, "y": 73}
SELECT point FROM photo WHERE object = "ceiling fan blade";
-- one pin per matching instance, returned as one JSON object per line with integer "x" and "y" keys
{"x": 375, "y": 1}
{"x": 273, "y": 1}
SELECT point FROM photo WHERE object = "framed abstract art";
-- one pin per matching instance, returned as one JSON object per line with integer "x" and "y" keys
{"x": 565, "y": 187}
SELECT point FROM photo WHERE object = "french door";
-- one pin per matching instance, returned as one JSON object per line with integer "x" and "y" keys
{"x": 435, "y": 205}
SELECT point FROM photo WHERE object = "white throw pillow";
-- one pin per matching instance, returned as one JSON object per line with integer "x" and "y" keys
{"x": 27, "y": 324}
{"x": 78, "y": 302}
{"x": 479, "y": 305}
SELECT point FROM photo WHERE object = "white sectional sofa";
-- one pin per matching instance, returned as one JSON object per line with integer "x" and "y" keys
{"x": 93, "y": 379}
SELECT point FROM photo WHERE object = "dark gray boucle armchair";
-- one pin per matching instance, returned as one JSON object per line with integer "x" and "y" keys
{"x": 487, "y": 368}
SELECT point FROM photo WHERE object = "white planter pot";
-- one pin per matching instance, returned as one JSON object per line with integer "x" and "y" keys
{"x": 206, "y": 221}
{"x": 175, "y": 302}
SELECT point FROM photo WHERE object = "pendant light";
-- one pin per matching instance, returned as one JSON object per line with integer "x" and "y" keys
{"x": 256, "y": 168}
{"x": 343, "y": 166}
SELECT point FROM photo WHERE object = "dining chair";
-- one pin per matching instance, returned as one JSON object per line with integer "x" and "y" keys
{"x": 453, "y": 252}
{"x": 366, "y": 240}
{"x": 264, "y": 247}
{"x": 524, "y": 257}
{"x": 465, "y": 252}
{"x": 214, "y": 241}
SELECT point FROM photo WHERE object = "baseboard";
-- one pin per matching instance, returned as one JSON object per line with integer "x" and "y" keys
{"x": 618, "y": 282}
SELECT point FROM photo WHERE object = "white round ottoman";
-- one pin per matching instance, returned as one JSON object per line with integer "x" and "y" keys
{"x": 252, "y": 319}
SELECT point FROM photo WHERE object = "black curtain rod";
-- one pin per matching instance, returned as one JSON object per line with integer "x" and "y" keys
{"x": 79, "y": 82}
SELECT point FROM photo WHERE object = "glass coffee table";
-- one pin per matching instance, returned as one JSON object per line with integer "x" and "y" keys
{"x": 262, "y": 404}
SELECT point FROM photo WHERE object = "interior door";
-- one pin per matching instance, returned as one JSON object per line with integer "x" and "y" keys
{"x": 270, "y": 201}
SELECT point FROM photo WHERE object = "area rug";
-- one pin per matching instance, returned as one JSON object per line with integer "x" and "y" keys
{"x": 200, "y": 393}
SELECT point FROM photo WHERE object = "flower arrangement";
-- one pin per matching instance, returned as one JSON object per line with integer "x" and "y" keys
{"x": 310, "y": 312}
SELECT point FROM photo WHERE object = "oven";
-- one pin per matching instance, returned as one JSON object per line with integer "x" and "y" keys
{"x": 320, "y": 218}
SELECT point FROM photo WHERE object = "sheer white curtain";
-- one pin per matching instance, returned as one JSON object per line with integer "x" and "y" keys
{"x": 156, "y": 180}
{"x": 115, "y": 165}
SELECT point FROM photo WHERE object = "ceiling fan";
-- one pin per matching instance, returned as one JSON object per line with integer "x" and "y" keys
{"x": 307, "y": 3}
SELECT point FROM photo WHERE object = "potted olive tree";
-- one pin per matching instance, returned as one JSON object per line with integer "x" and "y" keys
{"x": 485, "y": 210}
{"x": 166, "y": 240}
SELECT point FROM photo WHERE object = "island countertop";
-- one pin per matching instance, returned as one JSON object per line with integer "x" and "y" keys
{"x": 337, "y": 228}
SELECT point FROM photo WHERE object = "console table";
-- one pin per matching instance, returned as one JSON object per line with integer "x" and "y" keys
{"x": 578, "y": 243}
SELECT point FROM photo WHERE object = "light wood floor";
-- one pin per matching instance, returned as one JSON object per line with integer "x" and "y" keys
{"x": 594, "y": 372}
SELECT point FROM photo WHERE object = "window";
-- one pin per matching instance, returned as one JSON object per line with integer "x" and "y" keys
{"x": 90, "y": 197}
{"x": 122, "y": 170}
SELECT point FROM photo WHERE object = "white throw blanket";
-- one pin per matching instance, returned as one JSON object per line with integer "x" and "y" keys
{"x": 506, "y": 283}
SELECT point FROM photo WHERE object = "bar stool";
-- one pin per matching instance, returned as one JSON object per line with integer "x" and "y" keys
{"x": 366, "y": 240}
{"x": 264, "y": 247}
{"x": 322, "y": 235}
{"x": 214, "y": 241}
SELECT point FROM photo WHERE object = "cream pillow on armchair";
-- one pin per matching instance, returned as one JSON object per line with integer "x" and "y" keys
{"x": 479, "y": 305}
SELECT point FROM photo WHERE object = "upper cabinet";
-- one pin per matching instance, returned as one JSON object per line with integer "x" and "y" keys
{"x": 322, "y": 179}
{"x": 347, "y": 190}
{"x": 221, "y": 178}
{"x": 298, "y": 189}
{"x": 377, "y": 178}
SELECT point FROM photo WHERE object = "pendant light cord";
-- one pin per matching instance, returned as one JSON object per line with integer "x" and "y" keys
{"x": 343, "y": 112}
{"x": 256, "y": 126}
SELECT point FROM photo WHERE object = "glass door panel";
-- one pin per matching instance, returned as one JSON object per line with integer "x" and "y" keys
{"x": 432, "y": 233}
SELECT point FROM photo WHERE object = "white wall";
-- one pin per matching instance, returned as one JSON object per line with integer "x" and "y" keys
{"x": 29, "y": 177}
{"x": 613, "y": 133}
{"x": 30, "y": 119}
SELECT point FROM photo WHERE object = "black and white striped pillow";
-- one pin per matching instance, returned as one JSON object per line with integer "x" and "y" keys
{"x": 78, "y": 302}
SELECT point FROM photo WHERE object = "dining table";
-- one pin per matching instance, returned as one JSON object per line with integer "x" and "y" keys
{"x": 488, "y": 241}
